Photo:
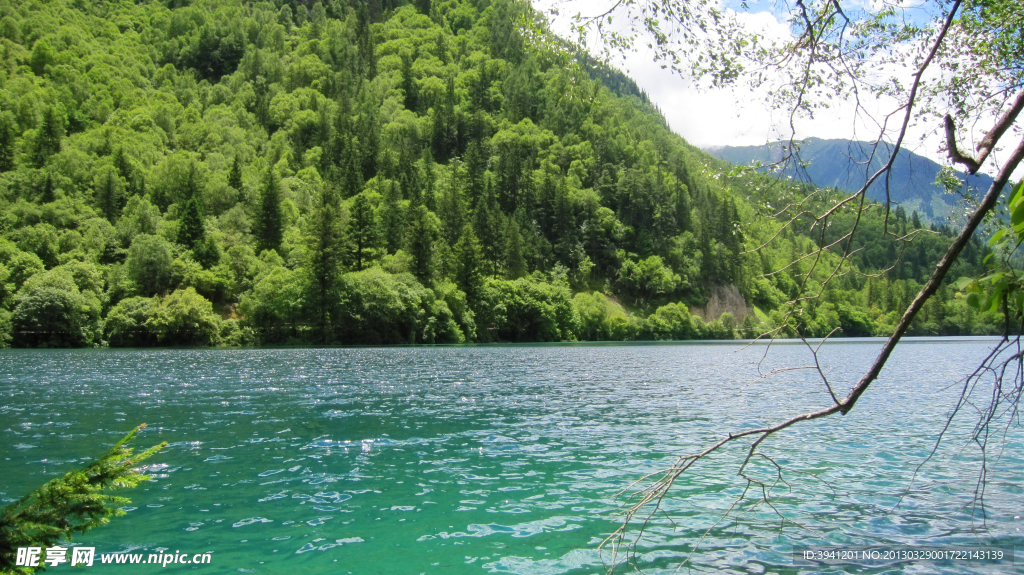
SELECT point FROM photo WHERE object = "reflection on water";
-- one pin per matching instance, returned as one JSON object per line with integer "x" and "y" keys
{"x": 501, "y": 459}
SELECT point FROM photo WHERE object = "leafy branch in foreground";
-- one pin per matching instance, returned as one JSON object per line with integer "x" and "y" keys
{"x": 75, "y": 503}
{"x": 830, "y": 58}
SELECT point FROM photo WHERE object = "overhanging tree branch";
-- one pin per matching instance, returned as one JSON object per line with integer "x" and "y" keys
{"x": 988, "y": 143}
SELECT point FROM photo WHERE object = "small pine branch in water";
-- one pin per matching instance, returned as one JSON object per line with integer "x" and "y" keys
{"x": 75, "y": 503}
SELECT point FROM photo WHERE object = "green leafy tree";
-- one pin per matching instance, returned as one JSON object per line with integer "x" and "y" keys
{"x": 526, "y": 310}
{"x": 647, "y": 279}
{"x": 125, "y": 325}
{"x": 387, "y": 308}
{"x": 184, "y": 318}
{"x": 274, "y": 307}
{"x": 51, "y": 311}
{"x": 72, "y": 504}
{"x": 42, "y": 56}
{"x": 149, "y": 264}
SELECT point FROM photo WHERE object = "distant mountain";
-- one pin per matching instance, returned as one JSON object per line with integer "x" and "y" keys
{"x": 843, "y": 164}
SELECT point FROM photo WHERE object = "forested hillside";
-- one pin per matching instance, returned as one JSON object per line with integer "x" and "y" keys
{"x": 220, "y": 172}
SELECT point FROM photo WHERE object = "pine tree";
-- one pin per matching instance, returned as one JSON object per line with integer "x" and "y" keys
{"x": 489, "y": 224}
{"x": 235, "y": 175}
{"x": 477, "y": 153}
{"x": 269, "y": 220}
{"x": 564, "y": 224}
{"x": 392, "y": 219}
{"x": 48, "y": 140}
{"x": 362, "y": 230}
{"x": 49, "y": 195}
{"x": 6, "y": 142}
{"x": 515, "y": 264}
{"x": 452, "y": 211}
{"x": 683, "y": 208}
{"x": 367, "y": 129}
{"x": 109, "y": 194}
{"x": 352, "y": 181}
{"x": 421, "y": 237}
{"x": 323, "y": 242}
{"x": 444, "y": 137}
{"x": 409, "y": 84}
{"x": 191, "y": 229}
{"x": 468, "y": 263}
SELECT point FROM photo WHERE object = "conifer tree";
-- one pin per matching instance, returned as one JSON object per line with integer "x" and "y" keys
{"x": 6, "y": 142}
{"x": 468, "y": 263}
{"x": 683, "y": 208}
{"x": 324, "y": 242}
{"x": 134, "y": 179}
{"x": 444, "y": 137}
{"x": 392, "y": 218}
{"x": 367, "y": 129}
{"x": 476, "y": 165}
{"x": 421, "y": 237}
{"x": 109, "y": 194}
{"x": 48, "y": 140}
{"x": 235, "y": 175}
{"x": 409, "y": 84}
{"x": 515, "y": 263}
{"x": 269, "y": 220}
{"x": 362, "y": 230}
{"x": 352, "y": 181}
{"x": 489, "y": 224}
{"x": 49, "y": 194}
{"x": 365, "y": 42}
{"x": 191, "y": 228}
{"x": 452, "y": 211}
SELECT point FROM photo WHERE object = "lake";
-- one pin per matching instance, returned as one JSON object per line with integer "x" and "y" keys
{"x": 509, "y": 459}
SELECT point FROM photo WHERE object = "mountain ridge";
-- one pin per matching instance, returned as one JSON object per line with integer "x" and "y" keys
{"x": 843, "y": 164}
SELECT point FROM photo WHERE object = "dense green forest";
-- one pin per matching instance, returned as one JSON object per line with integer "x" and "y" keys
{"x": 221, "y": 172}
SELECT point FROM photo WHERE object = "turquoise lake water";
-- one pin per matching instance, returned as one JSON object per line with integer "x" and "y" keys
{"x": 507, "y": 459}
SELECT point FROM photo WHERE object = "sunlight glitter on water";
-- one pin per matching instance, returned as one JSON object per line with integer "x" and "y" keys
{"x": 496, "y": 459}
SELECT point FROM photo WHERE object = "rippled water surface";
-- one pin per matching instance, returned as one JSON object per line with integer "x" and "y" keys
{"x": 504, "y": 459}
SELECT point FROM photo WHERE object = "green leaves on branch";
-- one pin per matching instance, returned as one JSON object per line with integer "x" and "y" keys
{"x": 75, "y": 503}
{"x": 1002, "y": 286}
